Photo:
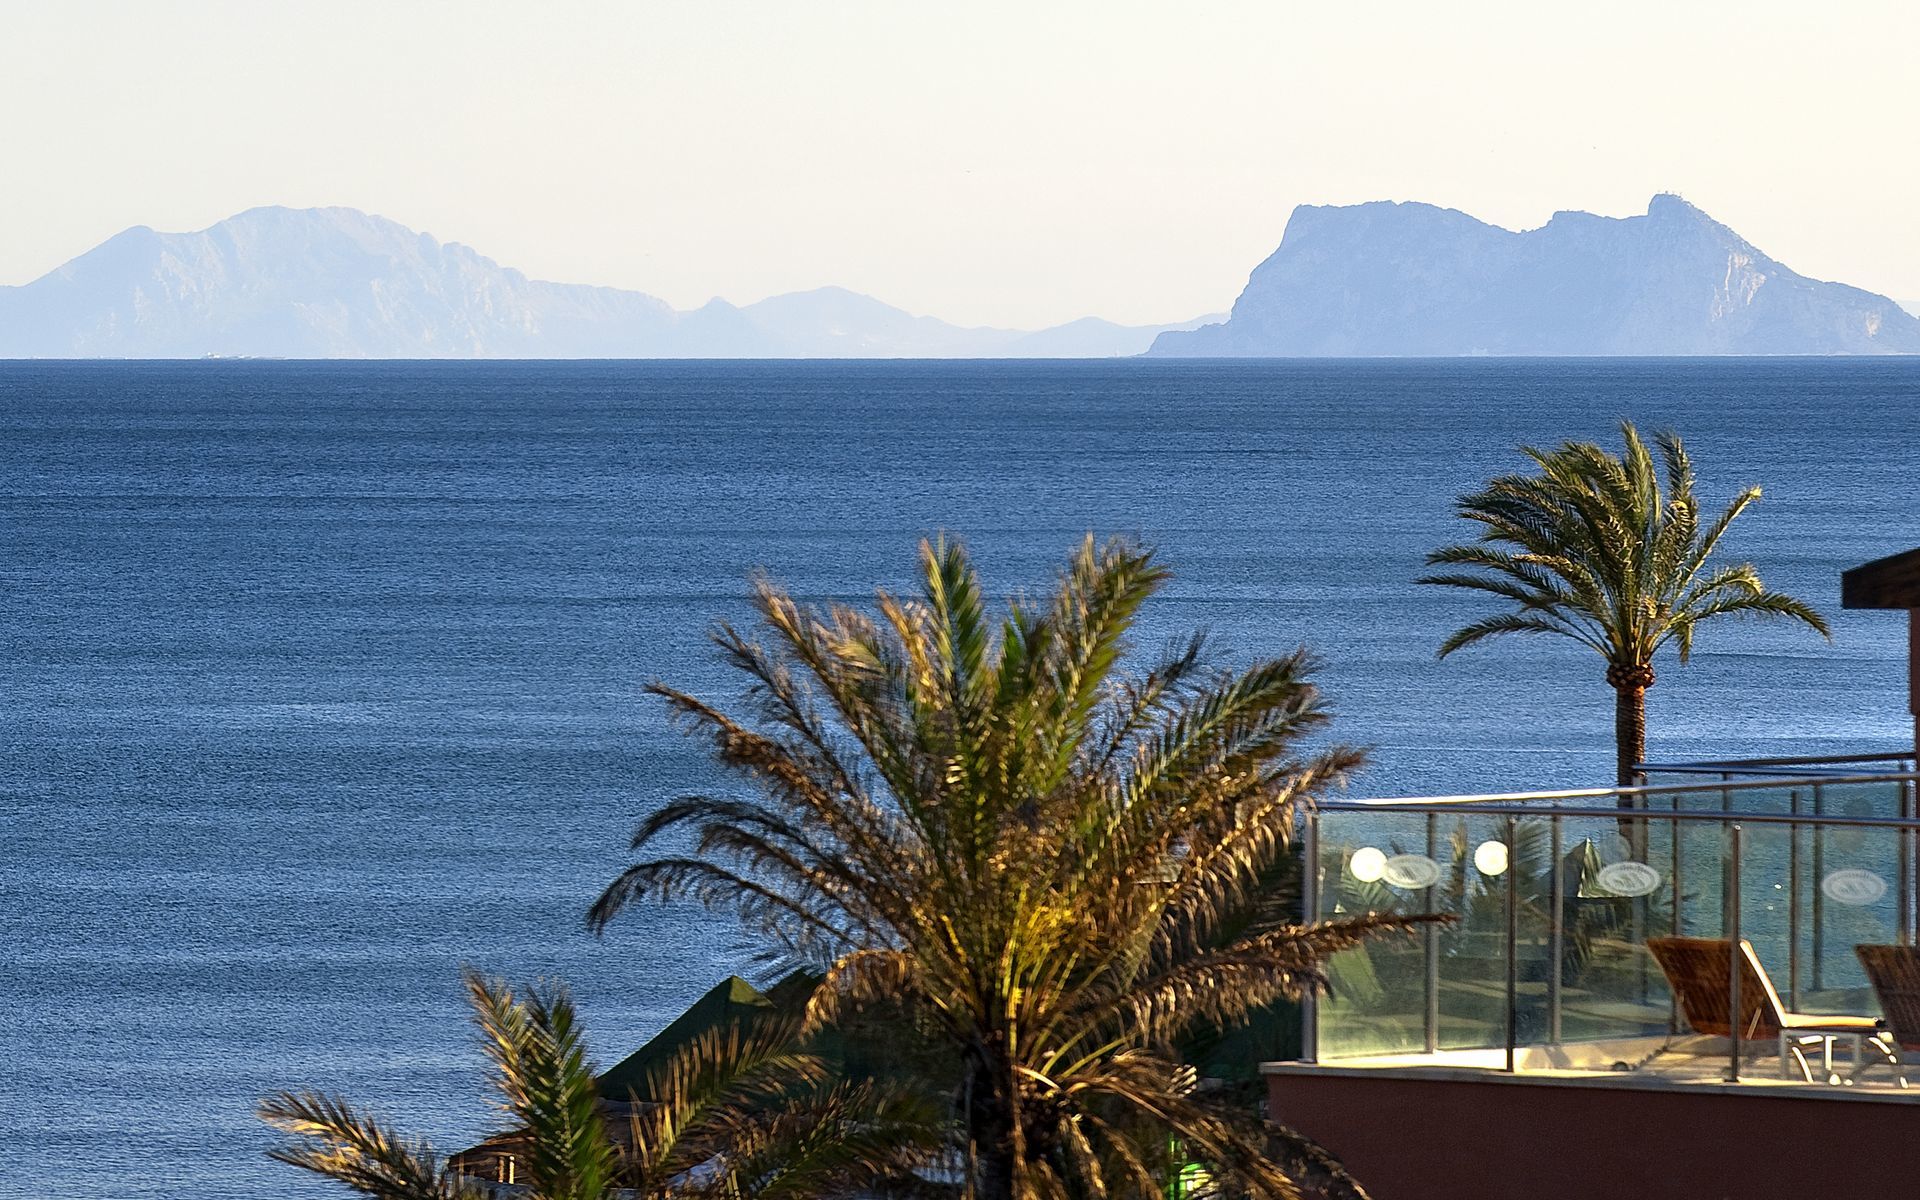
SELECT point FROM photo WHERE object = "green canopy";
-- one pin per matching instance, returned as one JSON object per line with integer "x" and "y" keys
{"x": 731, "y": 1000}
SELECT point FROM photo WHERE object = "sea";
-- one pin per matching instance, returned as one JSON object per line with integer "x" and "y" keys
{"x": 321, "y": 680}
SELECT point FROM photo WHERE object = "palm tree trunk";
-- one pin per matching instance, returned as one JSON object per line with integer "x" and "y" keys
{"x": 1630, "y": 682}
{"x": 996, "y": 1174}
{"x": 990, "y": 1129}
{"x": 1629, "y": 733}
{"x": 1630, "y": 749}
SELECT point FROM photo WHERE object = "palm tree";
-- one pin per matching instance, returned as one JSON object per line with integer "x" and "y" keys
{"x": 734, "y": 1112}
{"x": 1596, "y": 548}
{"x": 1058, "y": 866}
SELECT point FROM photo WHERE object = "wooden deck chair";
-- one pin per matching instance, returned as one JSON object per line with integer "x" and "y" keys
{"x": 1699, "y": 971}
{"x": 1894, "y": 972}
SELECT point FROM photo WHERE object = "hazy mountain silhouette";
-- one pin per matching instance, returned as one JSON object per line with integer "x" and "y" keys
{"x": 339, "y": 283}
{"x": 1412, "y": 279}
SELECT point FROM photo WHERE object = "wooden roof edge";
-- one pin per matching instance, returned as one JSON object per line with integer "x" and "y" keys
{"x": 1890, "y": 582}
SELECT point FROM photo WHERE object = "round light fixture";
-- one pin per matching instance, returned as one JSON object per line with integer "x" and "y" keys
{"x": 1367, "y": 864}
{"x": 1490, "y": 858}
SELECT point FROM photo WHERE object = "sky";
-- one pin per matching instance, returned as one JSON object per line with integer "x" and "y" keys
{"x": 1013, "y": 164}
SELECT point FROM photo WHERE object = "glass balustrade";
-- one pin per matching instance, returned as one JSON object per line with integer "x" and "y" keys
{"x": 1555, "y": 896}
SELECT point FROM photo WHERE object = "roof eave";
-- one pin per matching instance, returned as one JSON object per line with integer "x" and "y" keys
{"x": 1891, "y": 582}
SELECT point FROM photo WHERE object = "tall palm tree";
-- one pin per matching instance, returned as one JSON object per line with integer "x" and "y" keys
{"x": 1597, "y": 547}
{"x": 1058, "y": 866}
{"x": 734, "y": 1112}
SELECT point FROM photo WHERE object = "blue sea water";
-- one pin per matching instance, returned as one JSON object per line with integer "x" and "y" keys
{"x": 320, "y": 680}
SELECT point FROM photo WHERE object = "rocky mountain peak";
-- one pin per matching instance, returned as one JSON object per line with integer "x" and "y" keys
{"x": 1385, "y": 279}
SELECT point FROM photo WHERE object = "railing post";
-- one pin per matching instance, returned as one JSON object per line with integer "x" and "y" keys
{"x": 1726, "y": 806}
{"x": 1819, "y": 897}
{"x": 1907, "y": 866}
{"x": 1736, "y": 961}
{"x": 1679, "y": 899}
{"x": 1430, "y": 1019}
{"x": 1793, "y": 904}
{"x": 1513, "y": 947}
{"x": 1557, "y": 942}
{"x": 1639, "y": 849}
{"x": 1678, "y": 873}
{"x": 1310, "y": 905}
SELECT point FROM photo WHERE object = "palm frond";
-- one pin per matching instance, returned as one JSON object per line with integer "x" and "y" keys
{"x": 545, "y": 1085}
{"x": 1603, "y": 548}
{"x": 337, "y": 1142}
{"x": 847, "y": 1140}
{"x": 1486, "y": 627}
{"x": 1766, "y": 604}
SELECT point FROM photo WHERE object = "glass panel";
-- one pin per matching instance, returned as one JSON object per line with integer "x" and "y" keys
{"x": 1617, "y": 885}
{"x": 1852, "y": 895}
{"x": 1377, "y": 996}
{"x": 1532, "y": 880}
{"x": 1471, "y": 985}
{"x": 1768, "y": 872}
{"x": 1700, "y": 864}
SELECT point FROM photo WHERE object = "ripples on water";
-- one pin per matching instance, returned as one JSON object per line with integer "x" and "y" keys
{"x": 320, "y": 680}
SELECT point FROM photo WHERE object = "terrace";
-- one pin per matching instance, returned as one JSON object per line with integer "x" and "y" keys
{"x": 1548, "y": 978}
{"x": 1541, "y": 1023}
{"x": 1542, "y": 1010}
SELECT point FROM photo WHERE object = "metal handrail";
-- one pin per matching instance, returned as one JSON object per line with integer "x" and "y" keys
{"x": 1789, "y": 771}
{"x": 1716, "y": 816}
{"x": 1450, "y": 803}
{"x": 1741, "y": 764}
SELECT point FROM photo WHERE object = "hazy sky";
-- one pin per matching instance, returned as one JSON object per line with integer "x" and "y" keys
{"x": 1016, "y": 163}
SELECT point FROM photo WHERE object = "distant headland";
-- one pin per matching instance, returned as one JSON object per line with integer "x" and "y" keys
{"x": 1400, "y": 280}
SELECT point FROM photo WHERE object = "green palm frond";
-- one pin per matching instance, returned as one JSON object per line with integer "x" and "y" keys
{"x": 1481, "y": 630}
{"x": 335, "y": 1141}
{"x": 1219, "y": 987}
{"x": 1605, "y": 549}
{"x": 850, "y": 1139}
{"x": 545, "y": 1088}
{"x": 738, "y": 1110}
{"x": 545, "y": 1085}
{"x": 694, "y": 1100}
{"x": 1765, "y": 604}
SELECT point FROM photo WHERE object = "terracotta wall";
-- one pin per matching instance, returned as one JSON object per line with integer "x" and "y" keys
{"x": 1442, "y": 1139}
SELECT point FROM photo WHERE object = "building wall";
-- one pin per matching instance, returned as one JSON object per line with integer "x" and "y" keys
{"x": 1453, "y": 1138}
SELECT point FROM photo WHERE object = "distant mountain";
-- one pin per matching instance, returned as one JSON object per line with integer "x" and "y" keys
{"x": 1388, "y": 279}
{"x": 833, "y": 322}
{"x": 338, "y": 283}
{"x": 1091, "y": 337}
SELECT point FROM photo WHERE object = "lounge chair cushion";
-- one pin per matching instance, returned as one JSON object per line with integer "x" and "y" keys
{"x": 1827, "y": 1022}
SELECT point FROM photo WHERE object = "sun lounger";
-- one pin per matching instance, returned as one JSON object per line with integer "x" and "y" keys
{"x": 1700, "y": 972}
{"x": 1894, "y": 972}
